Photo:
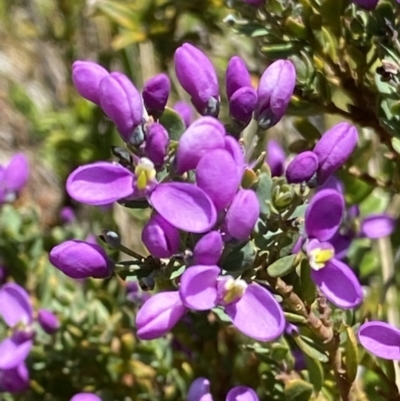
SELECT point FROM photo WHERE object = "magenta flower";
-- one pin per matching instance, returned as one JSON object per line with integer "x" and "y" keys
{"x": 199, "y": 390}
{"x": 122, "y": 104}
{"x": 335, "y": 279}
{"x": 185, "y": 111}
{"x": 252, "y": 308}
{"x": 275, "y": 158}
{"x": 86, "y": 77}
{"x": 80, "y": 259}
{"x": 197, "y": 76}
{"x": 381, "y": 339}
{"x": 155, "y": 94}
{"x": 160, "y": 237}
{"x": 204, "y": 135}
{"x": 48, "y": 321}
{"x": 334, "y": 148}
{"x": 208, "y": 249}
{"x": 275, "y": 89}
{"x": 13, "y": 177}
{"x": 237, "y": 76}
{"x": 156, "y": 146}
{"x": 85, "y": 397}
{"x": 302, "y": 168}
{"x": 242, "y": 105}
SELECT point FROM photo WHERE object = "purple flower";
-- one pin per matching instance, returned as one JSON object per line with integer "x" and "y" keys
{"x": 208, "y": 249}
{"x": 237, "y": 152}
{"x": 275, "y": 89}
{"x": 13, "y": 352}
{"x": 86, "y": 77}
{"x": 15, "y": 305}
{"x": 335, "y": 279}
{"x": 185, "y": 111}
{"x": 155, "y": 94}
{"x": 237, "y": 76}
{"x": 85, "y": 397}
{"x": 242, "y": 214}
{"x": 252, "y": 308}
{"x": 217, "y": 175}
{"x": 381, "y": 339}
{"x": 157, "y": 142}
{"x": 377, "y": 226}
{"x": 80, "y": 259}
{"x": 302, "y": 168}
{"x": 367, "y": 4}
{"x": 197, "y": 76}
{"x": 204, "y": 135}
{"x": 160, "y": 237}
{"x": 334, "y": 148}
{"x": 13, "y": 177}
{"x": 122, "y": 104}
{"x": 48, "y": 321}
{"x": 242, "y": 105}
{"x": 275, "y": 158}
{"x": 159, "y": 314}
{"x": 67, "y": 214}
{"x": 14, "y": 380}
{"x": 242, "y": 393}
{"x": 185, "y": 206}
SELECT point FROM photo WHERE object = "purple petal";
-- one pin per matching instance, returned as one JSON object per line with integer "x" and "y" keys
{"x": 257, "y": 314}
{"x": 48, "y": 321}
{"x": 16, "y": 173}
{"x": 217, "y": 176}
{"x": 367, "y": 4}
{"x": 237, "y": 152}
{"x": 240, "y": 224}
{"x": 334, "y": 148}
{"x": 377, "y": 226}
{"x": 86, "y": 76}
{"x": 199, "y": 390}
{"x": 302, "y": 168}
{"x": 208, "y": 249}
{"x": 204, "y": 135}
{"x": 198, "y": 287}
{"x": 339, "y": 284}
{"x": 324, "y": 214}
{"x": 100, "y": 183}
{"x": 275, "y": 158}
{"x": 381, "y": 339}
{"x": 160, "y": 237}
{"x": 85, "y": 397}
{"x": 242, "y": 104}
{"x": 185, "y": 111}
{"x": 15, "y": 380}
{"x": 155, "y": 93}
{"x": 13, "y": 353}
{"x": 237, "y": 76}
{"x": 332, "y": 183}
{"x": 341, "y": 243}
{"x": 242, "y": 393}
{"x": 15, "y": 305}
{"x": 185, "y": 206}
{"x": 159, "y": 314}
{"x": 157, "y": 141}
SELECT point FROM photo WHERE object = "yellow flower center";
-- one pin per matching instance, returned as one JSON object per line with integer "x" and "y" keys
{"x": 318, "y": 257}
{"x": 144, "y": 172}
{"x": 234, "y": 289}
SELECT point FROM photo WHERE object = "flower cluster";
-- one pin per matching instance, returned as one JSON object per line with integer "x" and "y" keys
{"x": 17, "y": 313}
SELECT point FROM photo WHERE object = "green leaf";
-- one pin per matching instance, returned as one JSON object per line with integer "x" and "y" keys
{"x": 307, "y": 289}
{"x": 351, "y": 354}
{"x": 282, "y": 266}
{"x": 173, "y": 123}
{"x": 306, "y": 129}
{"x": 263, "y": 192}
{"x": 298, "y": 390}
{"x": 315, "y": 373}
{"x": 240, "y": 259}
{"x": 310, "y": 348}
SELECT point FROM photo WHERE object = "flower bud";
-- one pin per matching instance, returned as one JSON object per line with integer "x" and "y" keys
{"x": 86, "y": 77}
{"x": 275, "y": 89}
{"x": 199, "y": 390}
{"x": 242, "y": 104}
{"x": 185, "y": 111}
{"x": 242, "y": 214}
{"x": 122, "y": 104}
{"x": 237, "y": 76}
{"x": 79, "y": 259}
{"x": 157, "y": 142}
{"x": 159, "y": 314}
{"x": 208, "y": 249}
{"x": 67, "y": 215}
{"x": 377, "y": 226}
{"x": 85, "y": 397}
{"x": 160, "y": 237}
{"x": 197, "y": 76}
{"x": 334, "y": 148}
{"x": 205, "y": 134}
{"x": 242, "y": 393}
{"x": 302, "y": 168}
{"x": 13, "y": 177}
{"x": 155, "y": 94}
{"x": 275, "y": 158}
{"x": 48, "y": 321}
{"x": 367, "y": 4}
